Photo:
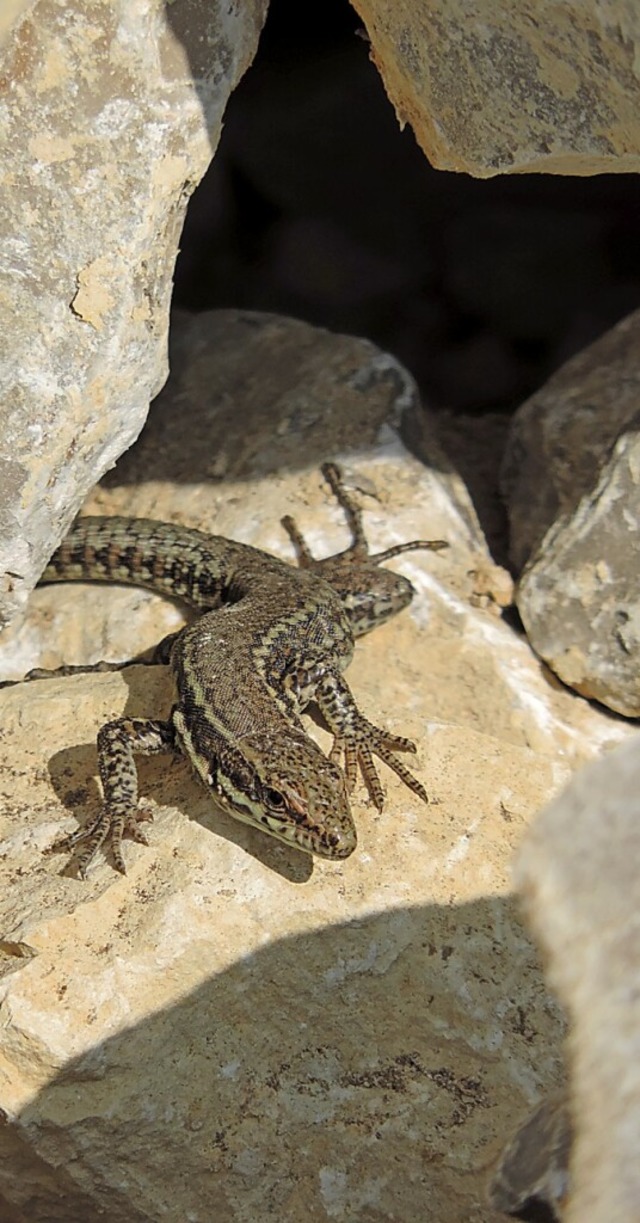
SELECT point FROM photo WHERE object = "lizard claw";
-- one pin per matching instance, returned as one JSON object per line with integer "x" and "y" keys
{"x": 359, "y": 748}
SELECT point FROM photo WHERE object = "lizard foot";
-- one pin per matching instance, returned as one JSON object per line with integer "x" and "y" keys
{"x": 356, "y": 741}
{"x": 108, "y": 827}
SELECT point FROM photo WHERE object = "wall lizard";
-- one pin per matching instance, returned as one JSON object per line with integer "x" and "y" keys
{"x": 270, "y": 640}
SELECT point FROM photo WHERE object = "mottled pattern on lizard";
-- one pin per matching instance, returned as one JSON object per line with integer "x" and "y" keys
{"x": 270, "y": 640}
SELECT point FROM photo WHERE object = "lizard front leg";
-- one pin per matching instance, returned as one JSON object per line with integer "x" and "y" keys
{"x": 357, "y": 740}
{"x": 120, "y": 815}
{"x": 159, "y": 656}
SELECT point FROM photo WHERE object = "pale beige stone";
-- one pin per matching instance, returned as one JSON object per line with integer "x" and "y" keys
{"x": 490, "y": 87}
{"x": 234, "y": 1031}
{"x": 110, "y": 111}
{"x": 10, "y": 12}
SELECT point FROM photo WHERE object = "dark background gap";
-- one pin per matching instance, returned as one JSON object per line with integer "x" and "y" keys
{"x": 318, "y": 206}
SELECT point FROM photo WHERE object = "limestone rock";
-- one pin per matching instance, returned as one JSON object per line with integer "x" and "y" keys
{"x": 488, "y": 90}
{"x": 562, "y": 437}
{"x": 109, "y": 115}
{"x": 577, "y": 871}
{"x": 234, "y": 1031}
{"x": 571, "y": 477}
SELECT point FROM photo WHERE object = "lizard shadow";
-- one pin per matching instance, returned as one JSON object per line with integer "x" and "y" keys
{"x": 167, "y": 783}
{"x": 166, "y": 780}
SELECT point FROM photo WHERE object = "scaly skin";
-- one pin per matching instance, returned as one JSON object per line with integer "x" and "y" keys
{"x": 270, "y": 640}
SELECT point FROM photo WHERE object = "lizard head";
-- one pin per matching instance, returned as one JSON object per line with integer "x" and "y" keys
{"x": 313, "y": 814}
{"x": 293, "y": 793}
{"x": 285, "y": 787}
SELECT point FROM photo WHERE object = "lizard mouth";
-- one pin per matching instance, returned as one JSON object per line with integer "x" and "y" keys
{"x": 336, "y": 841}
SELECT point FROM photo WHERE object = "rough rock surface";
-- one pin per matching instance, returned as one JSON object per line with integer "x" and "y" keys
{"x": 532, "y": 1177}
{"x": 578, "y": 873}
{"x": 109, "y": 113}
{"x": 233, "y": 1030}
{"x": 562, "y": 437}
{"x": 571, "y": 476}
{"x": 489, "y": 90}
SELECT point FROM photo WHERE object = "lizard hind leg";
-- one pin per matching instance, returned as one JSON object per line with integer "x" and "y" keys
{"x": 358, "y": 550}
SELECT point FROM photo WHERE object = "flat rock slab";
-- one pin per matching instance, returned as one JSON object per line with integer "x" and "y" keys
{"x": 234, "y": 1030}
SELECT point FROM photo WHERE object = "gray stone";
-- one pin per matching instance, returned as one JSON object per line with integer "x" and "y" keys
{"x": 578, "y": 874}
{"x": 489, "y": 89}
{"x": 534, "y": 1168}
{"x": 109, "y": 118}
{"x": 572, "y": 480}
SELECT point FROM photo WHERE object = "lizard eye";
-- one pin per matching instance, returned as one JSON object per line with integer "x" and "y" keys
{"x": 274, "y": 799}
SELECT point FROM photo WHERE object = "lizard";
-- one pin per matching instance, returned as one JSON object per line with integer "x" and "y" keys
{"x": 270, "y": 639}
